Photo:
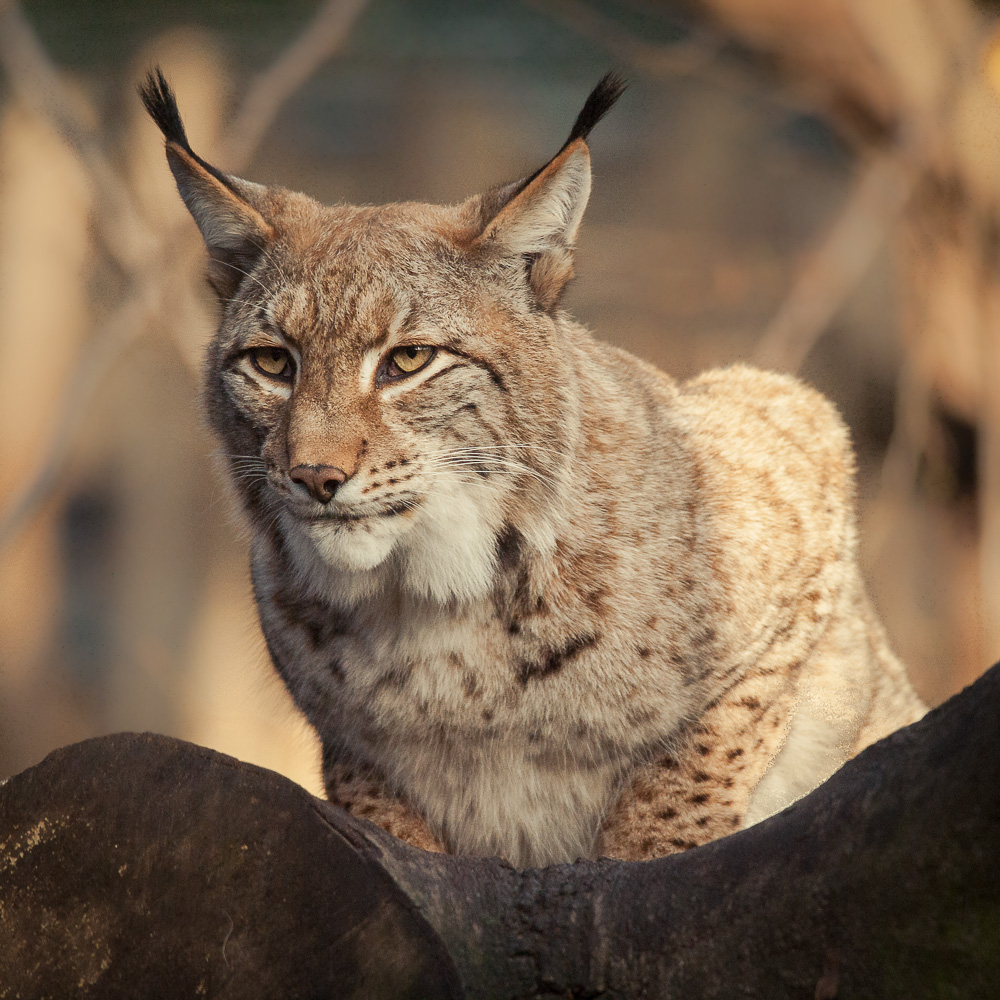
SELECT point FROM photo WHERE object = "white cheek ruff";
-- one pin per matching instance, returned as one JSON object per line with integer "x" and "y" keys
{"x": 445, "y": 550}
{"x": 354, "y": 548}
{"x": 452, "y": 553}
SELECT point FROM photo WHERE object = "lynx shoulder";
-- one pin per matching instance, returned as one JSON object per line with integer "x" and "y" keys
{"x": 537, "y": 599}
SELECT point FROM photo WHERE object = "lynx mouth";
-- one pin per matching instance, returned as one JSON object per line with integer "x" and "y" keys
{"x": 394, "y": 508}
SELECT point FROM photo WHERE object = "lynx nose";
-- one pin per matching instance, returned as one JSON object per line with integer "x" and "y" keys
{"x": 320, "y": 480}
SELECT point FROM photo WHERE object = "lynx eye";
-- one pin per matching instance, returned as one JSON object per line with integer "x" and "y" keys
{"x": 405, "y": 360}
{"x": 274, "y": 362}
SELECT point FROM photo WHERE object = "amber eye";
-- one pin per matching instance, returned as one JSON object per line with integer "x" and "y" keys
{"x": 274, "y": 362}
{"x": 409, "y": 359}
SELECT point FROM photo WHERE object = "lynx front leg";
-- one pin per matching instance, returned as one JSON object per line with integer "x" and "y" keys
{"x": 363, "y": 793}
{"x": 701, "y": 791}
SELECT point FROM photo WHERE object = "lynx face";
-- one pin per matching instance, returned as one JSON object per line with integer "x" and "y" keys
{"x": 391, "y": 382}
{"x": 378, "y": 414}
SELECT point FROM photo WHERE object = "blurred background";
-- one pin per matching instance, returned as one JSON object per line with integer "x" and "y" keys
{"x": 813, "y": 187}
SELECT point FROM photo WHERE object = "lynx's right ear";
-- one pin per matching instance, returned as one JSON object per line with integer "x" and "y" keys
{"x": 234, "y": 230}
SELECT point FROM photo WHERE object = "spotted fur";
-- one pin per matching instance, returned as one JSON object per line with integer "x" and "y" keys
{"x": 559, "y": 605}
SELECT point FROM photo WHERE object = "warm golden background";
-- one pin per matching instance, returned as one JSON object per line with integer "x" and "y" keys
{"x": 811, "y": 185}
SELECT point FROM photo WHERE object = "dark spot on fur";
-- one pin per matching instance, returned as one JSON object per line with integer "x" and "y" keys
{"x": 704, "y": 750}
{"x": 395, "y": 678}
{"x": 555, "y": 659}
{"x": 733, "y": 754}
{"x": 470, "y": 685}
{"x": 644, "y": 652}
{"x": 704, "y": 637}
{"x": 390, "y": 465}
{"x": 509, "y": 547}
{"x": 487, "y": 715}
{"x": 646, "y": 847}
{"x": 751, "y": 703}
{"x": 595, "y": 601}
{"x": 699, "y": 798}
{"x": 667, "y": 814}
{"x": 321, "y": 622}
{"x": 700, "y": 776}
{"x": 701, "y": 821}
{"x": 639, "y": 716}
{"x": 684, "y": 845}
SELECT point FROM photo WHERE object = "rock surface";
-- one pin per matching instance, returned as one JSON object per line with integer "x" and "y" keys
{"x": 142, "y": 866}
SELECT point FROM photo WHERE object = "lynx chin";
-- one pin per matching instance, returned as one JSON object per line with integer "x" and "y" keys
{"x": 537, "y": 598}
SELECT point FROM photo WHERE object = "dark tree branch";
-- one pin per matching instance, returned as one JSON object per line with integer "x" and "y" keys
{"x": 143, "y": 866}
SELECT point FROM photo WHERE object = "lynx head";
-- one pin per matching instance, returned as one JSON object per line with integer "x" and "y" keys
{"x": 393, "y": 385}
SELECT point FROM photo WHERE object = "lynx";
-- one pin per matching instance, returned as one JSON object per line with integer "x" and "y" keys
{"x": 538, "y": 599}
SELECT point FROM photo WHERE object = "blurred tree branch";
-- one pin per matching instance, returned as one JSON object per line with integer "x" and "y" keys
{"x": 40, "y": 86}
{"x": 130, "y": 240}
{"x": 913, "y": 85}
{"x": 325, "y": 34}
{"x": 696, "y": 54}
{"x": 832, "y": 271}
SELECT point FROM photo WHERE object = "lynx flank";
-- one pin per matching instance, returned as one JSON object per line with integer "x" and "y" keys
{"x": 538, "y": 599}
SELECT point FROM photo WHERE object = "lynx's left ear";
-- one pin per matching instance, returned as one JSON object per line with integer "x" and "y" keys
{"x": 537, "y": 218}
{"x": 227, "y": 209}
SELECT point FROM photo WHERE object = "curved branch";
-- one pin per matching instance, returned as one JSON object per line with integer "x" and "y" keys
{"x": 325, "y": 34}
{"x": 837, "y": 265}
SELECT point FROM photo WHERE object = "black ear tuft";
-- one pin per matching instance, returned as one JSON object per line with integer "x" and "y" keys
{"x": 602, "y": 98}
{"x": 161, "y": 104}
{"x": 158, "y": 99}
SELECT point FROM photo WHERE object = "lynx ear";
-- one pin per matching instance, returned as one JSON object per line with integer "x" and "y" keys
{"x": 538, "y": 217}
{"x": 234, "y": 230}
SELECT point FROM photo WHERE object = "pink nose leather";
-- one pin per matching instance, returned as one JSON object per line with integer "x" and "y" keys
{"x": 320, "y": 480}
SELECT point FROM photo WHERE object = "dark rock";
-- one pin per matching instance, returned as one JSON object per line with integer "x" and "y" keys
{"x": 140, "y": 866}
